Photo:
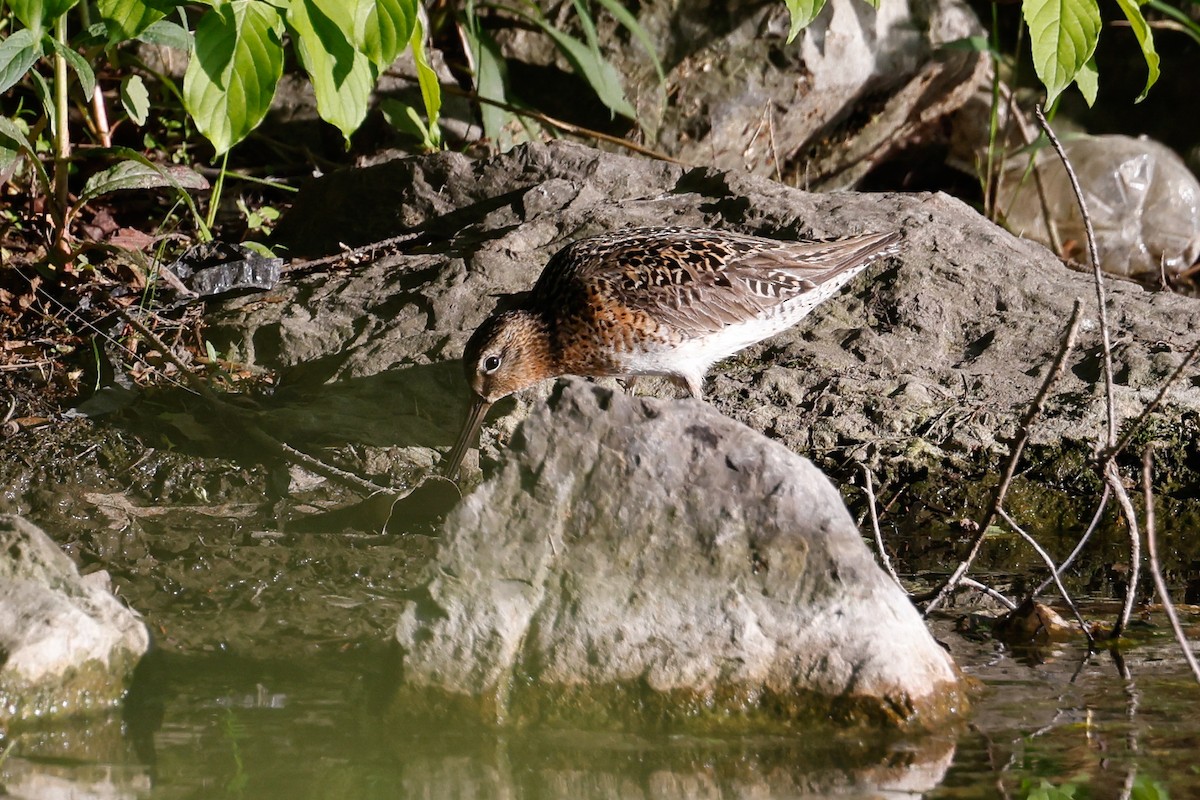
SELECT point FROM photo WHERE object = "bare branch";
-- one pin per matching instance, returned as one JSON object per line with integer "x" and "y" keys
{"x": 1097, "y": 275}
{"x": 1034, "y": 411}
{"x": 1113, "y": 477}
{"x": 1062, "y": 590}
{"x": 1083, "y": 540}
{"x": 868, "y": 487}
{"x": 1159, "y": 583}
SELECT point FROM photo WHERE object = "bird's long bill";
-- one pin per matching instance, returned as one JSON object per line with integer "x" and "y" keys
{"x": 466, "y": 437}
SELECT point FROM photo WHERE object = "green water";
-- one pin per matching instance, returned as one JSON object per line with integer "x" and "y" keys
{"x": 220, "y": 726}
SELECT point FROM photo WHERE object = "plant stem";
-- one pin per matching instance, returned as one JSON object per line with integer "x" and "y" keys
{"x": 62, "y": 137}
{"x": 215, "y": 199}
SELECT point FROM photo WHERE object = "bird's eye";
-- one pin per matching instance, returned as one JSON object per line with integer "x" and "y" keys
{"x": 491, "y": 364}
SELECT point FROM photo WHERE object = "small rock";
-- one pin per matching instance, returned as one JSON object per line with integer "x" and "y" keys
{"x": 67, "y": 645}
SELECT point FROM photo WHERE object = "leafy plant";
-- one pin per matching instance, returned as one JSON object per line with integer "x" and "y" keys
{"x": 583, "y": 55}
{"x": 1063, "y": 35}
{"x": 236, "y": 60}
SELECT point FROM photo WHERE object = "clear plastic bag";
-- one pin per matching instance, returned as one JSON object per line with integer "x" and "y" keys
{"x": 1143, "y": 201}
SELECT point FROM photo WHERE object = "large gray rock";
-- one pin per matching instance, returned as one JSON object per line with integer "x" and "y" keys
{"x": 640, "y": 557}
{"x": 67, "y": 645}
{"x": 927, "y": 360}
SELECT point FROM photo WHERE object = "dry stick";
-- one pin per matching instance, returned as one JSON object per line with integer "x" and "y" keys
{"x": 1062, "y": 590}
{"x": 1097, "y": 276}
{"x": 1156, "y": 571}
{"x": 1083, "y": 540}
{"x": 1034, "y": 410}
{"x": 1108, "y": 464}
{"x": 562, "y": 125}
{"x": 271, "y": 443}
{"x": 1113, "y": 476}
{"x": 971, "y": 583}
{"x": 869, "y": 488}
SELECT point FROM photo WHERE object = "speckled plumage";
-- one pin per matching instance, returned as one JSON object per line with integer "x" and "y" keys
{"x": 654, "y": 301}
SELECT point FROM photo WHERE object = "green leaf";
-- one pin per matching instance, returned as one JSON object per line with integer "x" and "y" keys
{"x": 803, "y": 13}
{"x": 431, "y": 88}
{"x": 83, "y": 70}
{"x": 631, "y": 24}
{"x": 491, "y": 79}
{"x": 385, "y": 29}
{"x": 135, "y": 99}
{"x": 600, "y": 74}
{"x": 405, "y": 119}
{"x": 971, "y": 44}
{"x": 341, "y": 74}
{"x": 13, "y": 138}
{"x": 169, "y": 34}
{"x": 232, "y": 76}
{"x": 127, "y": 19}
{"x": 1088, "y": 81}
{"x": 1145, "y": 37}
{"x": 140, "y": 175}
{"x": 38, "y": 14}
{"x": 18, "y": 53}
{"x": 1062, "y": 37}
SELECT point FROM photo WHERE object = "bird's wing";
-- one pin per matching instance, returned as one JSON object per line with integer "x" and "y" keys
{"x": 699, "y": 282}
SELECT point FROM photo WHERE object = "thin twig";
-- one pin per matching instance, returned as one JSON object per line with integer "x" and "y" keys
{"x": 1083, "y": 540}
{"x": 1097, "y": 276}
{"x": 1035, "y": 409}
{"x": 1113, "y": 476}
{"x": 971, "y": 583}
{"x": 562, "y": 125}
{"x": 869, "y": 488}
{"x": 1054, "y": 571}
{"x": 1136, "y": 427}
{"x": 1159, "y": 583}
{"x": 258, "y": 435}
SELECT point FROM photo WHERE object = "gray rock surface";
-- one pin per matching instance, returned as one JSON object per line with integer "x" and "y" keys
{"x": 67, "y": 645}
{"x": 641, "y": 548}
{"x": 928, "y": 359}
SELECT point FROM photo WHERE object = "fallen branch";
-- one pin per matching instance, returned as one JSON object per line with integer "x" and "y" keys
{"x": 869, "y": 488}
{"x": 1159, "y": 583}
{"x": 1032, "y": 413}
{"x": 1113, "y": 477}
{"x": 1062, "y": 590}
{"x": 1083, "y": 540}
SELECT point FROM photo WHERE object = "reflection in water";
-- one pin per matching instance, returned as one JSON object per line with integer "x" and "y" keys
{"x": 226, "y": 727}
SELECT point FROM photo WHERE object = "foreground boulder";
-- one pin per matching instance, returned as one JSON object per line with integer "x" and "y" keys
{"x": 67, "y": 645}
{"x": 638, "y": 558}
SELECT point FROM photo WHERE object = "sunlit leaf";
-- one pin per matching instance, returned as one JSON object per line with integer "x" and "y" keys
{"x": 233, "y": 73}
{"x": 1145, "y": 38}
{"x": 18, "y": 53}
{"x": 126, "y": 19}
{"x": 1062, "y": 37}
{"x": 38, "y": 14}
{"x": 82, "y": 69}
{"x": 385, "y": 27}
{"x": 803, "y": 12}
{"x": 1088, "y": 81}
{"x": 341, "y": 75}
{"x": 135, "y": 98}
{"x": 431, "y": 88}
{"x": 138, "y": 175}
{"x": 168, "y": 34}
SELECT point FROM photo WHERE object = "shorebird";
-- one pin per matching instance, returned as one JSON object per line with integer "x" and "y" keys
{"x": 653, "y": 301}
